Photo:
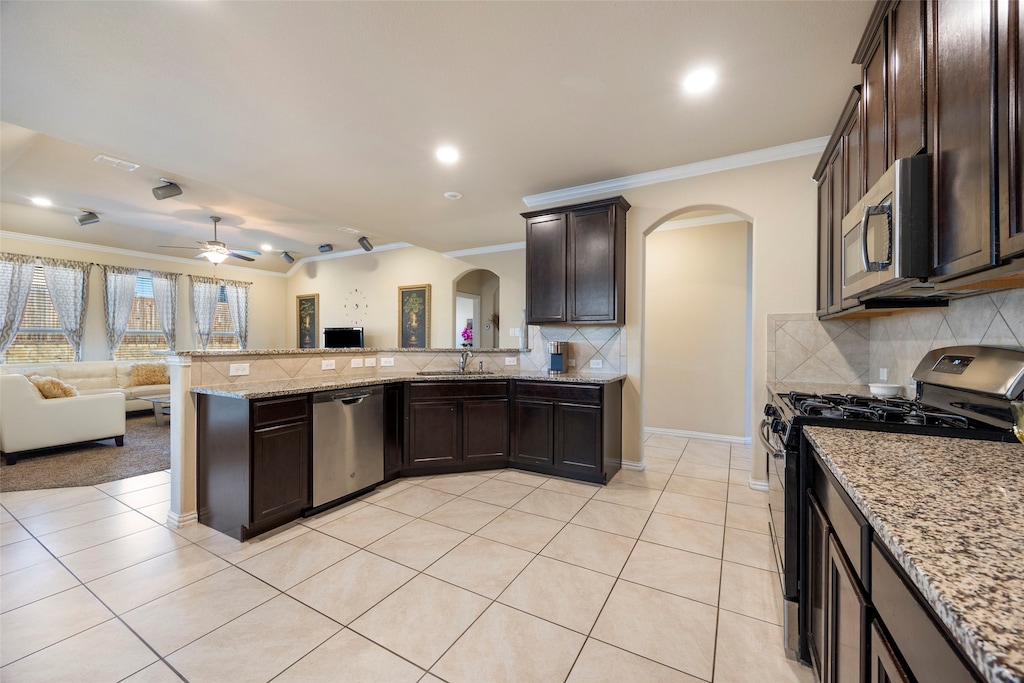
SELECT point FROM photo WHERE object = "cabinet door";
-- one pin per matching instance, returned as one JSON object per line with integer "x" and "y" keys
{"x": 885, "y": 666}
{"x": 578, "y": 438}
{"x": 873, "y": 110}
{"x": 534, "y": 432}
{"x": 964, "y": 218}
{"x": 546, "y": 265}
{"x": 907, "y": 134}
{"x": 824, "y": 244}
{"x": 280, "y": 471}
{"x": 593, "y": 295}
{"x": 484, "y": 430}
{"x": 846, "y": 619}
{"x": 433, "y": 433}
{"x": 817, "y": 559}
{"x": 392, "y": 429}
{"x": 1011, "y": 116}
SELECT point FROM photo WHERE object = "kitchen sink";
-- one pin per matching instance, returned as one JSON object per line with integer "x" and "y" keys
{"x": 444, "y": 373}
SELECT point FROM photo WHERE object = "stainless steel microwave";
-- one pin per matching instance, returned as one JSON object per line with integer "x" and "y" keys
{"x": 885, "y": 235}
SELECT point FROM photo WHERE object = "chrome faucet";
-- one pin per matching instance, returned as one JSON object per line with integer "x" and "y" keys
{"x": 466, "y": 355}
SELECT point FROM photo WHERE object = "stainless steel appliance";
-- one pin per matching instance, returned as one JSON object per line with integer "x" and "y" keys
{"x": 348, "y": 442}
{"x": 558, "y": 352}
{"x": 962, "y": 392}
{"x": 885, "y": 235}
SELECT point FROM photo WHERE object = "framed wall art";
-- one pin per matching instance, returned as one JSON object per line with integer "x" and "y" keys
{"x": 308, "y": 311}
{"x": 414, "y": 317}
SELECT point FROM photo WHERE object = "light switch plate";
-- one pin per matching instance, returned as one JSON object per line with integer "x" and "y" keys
{"x": 238, "y": 369}
{"x": 370, "y": 362}
{"x": 327, "y": 364}
{"x": 387, "y": 362}
{"x": 511, "y": 360}
{"x": 357, "y": 362}
{"x": 596, "y": 364}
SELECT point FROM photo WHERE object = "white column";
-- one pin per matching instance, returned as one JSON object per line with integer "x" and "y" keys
{"x": 183, "y": 444}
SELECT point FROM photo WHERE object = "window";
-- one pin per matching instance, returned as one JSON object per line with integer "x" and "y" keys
{"x": 39, "y": 339}
{"x": 223, "y": 335}
{"x": 144, "y": 334}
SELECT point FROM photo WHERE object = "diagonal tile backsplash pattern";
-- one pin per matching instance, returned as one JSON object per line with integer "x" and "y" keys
{"x": 803, "y": 350}
{"x": 586, "y": 343}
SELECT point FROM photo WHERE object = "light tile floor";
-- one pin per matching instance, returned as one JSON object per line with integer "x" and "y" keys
{"x": 663, "y": 575}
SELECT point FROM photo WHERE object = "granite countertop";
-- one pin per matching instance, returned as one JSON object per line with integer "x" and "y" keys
{"x": 256, "y": 390}
{"x": 361, "y": 350}
{"x": 951, "y": 511}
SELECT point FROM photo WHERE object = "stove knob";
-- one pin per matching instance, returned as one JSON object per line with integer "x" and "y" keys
{"x": 770, "y": 410}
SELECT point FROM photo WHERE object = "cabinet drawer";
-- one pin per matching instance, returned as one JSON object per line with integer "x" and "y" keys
{"x": 578, "y": 393}
{"x": 439, "y": 390}
{"x": 848, "y": 524}
{"x": 279, "y": 410}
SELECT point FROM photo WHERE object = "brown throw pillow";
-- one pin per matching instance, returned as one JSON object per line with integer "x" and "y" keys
{"x": 51, "y": 387}
{"x": 144, "y": 374}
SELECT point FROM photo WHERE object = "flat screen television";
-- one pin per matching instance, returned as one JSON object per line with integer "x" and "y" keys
{"x": 343, "y": 337}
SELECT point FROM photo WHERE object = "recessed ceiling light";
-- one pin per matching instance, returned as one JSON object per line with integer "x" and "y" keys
{"x": 453, "y": 195}
{"x": 699, "y": 81}
{"x": 266, "y": 247}
{"x": 447, "y": 154}
{"x": 41, "y": 201}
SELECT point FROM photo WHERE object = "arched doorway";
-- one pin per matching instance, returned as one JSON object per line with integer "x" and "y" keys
{"x": 477, "y": 295}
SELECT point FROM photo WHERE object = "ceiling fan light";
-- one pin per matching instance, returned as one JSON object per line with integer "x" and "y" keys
{"x": 215, "y": 257}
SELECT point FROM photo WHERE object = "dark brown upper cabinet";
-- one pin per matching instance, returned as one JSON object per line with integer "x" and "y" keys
{"x": 576, "y": 263}
{"x": 1011, "y": 112}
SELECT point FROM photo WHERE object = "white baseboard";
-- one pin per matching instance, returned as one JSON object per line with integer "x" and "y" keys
{"x": 742, "y": 440}
{"x": 758, "y": 485}
{"x": 176, "y": 521}
{"x": 631, "y": 465}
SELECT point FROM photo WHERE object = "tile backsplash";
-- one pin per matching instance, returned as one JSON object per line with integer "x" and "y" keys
{"x": 586, "y": 343}
{"x": 831, "y": 355}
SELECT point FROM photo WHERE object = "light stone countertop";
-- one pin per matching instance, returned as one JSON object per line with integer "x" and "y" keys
{"x": 321, "y": 351}
{"x": 257, "y": 390}
{"x": 951, "y": 511}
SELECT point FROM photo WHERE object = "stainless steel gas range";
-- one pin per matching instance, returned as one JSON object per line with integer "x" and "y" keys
{"x": 962, "y": 392}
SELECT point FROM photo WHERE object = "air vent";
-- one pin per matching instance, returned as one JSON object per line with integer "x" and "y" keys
{"x": 115, "y": 162}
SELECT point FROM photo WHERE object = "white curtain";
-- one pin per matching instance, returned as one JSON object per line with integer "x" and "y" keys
{"x": 165, "y": 296}
{"x": 68, "y": 284}
{"x": 16, "y": 272}
{"x": 204, "y": 307}
{"x": 238, "y": 306}
{"x": 118, "y": 297}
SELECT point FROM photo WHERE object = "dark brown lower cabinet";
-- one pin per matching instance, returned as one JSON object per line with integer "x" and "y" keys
{"x": 392, "y": 430}
{"x": 885, "y": 665}
{"x": 818, "y": 532}
{"x": 846, "y": 621}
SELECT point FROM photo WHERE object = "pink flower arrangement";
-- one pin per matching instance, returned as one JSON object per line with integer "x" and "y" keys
{"x": 467, "y": 334}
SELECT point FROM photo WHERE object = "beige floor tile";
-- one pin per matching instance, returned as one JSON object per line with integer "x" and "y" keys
{"x": 136, "y": 585}
{"x": 662, "y": 453}
{"x": 692, "y": 507}
{"x": 747, "y": 517}
{"x": 560, "y": 506}
{"x": 143, "y": 481}
{"x": 287, "y": 564}
{"x": 13, "y": 532}
{"x": 699, "y": 455}
{"x": 590, "y": 548}
{"x": 744, "y": 495}
{"x": 24, "y": 504}
{"x": 15, "y": 556}
{"x": 157, "y": 512}
{"x": 348, "y": 656}
{"x": 746, "y": 644}
{"x": 687, "y": 468}
{"x": 493, "y": 650}
{"x": 421, "y": 619}
{"x": 238, "y": 651}
{"x": 317, "y": 521}
{"x": 5, "y": 516}
{"x": 661, "y": 465}
{"x": 157, "y": 672}
{"x": 524, "y": 478}
{"x": 464, "y": 514}
{"x": 749, "y": 548}
{"x": 631, "y": 496}
{"x": 112, "y": 556}
{"x": 415, "y": 500}
{"x": 684, "y": 534}
{"x": 365, "y": 526}
{"x": 667, "y": 441}
{"x": 615, "y": 519}
{"x": 456, "y": 484}
{"x": 740, "y": 477}
{"x": 482, "y": 566}
{"x": 176, "y": 619}
{"x": 33, "y": 583}
{"x": 234, "y": 551}
{"x": 522, "y": 530}
{"x": 418, "y": 544}
{"x": 692, "y": 486}
{"x": 646, "y": 478}
{"x": 751, "y": 592}
{"x": 499, "y": 492}
{"x": 352, "y": 586}
{"x": 89, "y": 534}
{"x": 76, "y": 515}
{"x": 565, "y": 594}
{"x": 47, "y": 621}
{"x": 600, "y": 663}
{"x": 673, "y": 631}
{"x": 385, "y": 490}
{"x": 430, "y": 678}
{"x": 107, "y": 652}
{"x": 675, "y": 571}
{"x": 147, "y": 496}
{"x": 573, "y": 488}
{"x": 194, "y": 532}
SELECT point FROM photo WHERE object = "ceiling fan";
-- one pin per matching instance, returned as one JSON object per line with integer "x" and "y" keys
{"x": 217, "y": 252}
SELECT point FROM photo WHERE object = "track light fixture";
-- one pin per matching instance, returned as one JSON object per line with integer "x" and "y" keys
{"x": 364, "y": 242}
{"x": 168, "y": 189}
{"x": 87, "y": 218}
{"x": 324, "y": 248}
{"x": 287, "y": 258}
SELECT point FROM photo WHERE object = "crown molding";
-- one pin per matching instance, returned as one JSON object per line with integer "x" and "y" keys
{"x": 616, "y": 185}
{"x": 493, "y": 249}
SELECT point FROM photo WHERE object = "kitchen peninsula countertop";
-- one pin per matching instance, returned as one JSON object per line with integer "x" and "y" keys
{"x": 951, "y": 511}
{"x": 303, "y": 385}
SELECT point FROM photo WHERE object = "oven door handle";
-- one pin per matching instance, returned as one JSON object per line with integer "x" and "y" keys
{"x": 766, "y": 440}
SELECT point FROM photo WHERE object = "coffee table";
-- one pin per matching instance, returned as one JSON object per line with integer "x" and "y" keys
{"x": 161, "y": 407}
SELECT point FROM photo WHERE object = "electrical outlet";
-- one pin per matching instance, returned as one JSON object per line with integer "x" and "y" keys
{"x": 511, "y": 360}
{"x": 357, "y": 362}
{"x": 370, "y": 362}
{"x": 883, "y": 374}
{"x": 596, "y": 364}
{"x": 327, "y": 364}
{"x": 237, "y": 369}
{"x": 387, "y": 362}
{"x": 514, "y": 332}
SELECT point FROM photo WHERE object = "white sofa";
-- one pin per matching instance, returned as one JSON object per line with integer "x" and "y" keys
{"x": 28, "y": 421}
{"x": 97, "y": 377}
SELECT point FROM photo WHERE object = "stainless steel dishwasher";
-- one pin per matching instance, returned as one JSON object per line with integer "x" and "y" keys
{"x": 348, "y": 442}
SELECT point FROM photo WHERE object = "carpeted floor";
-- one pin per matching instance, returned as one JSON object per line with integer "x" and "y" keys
{"x": 147, "y": 448}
